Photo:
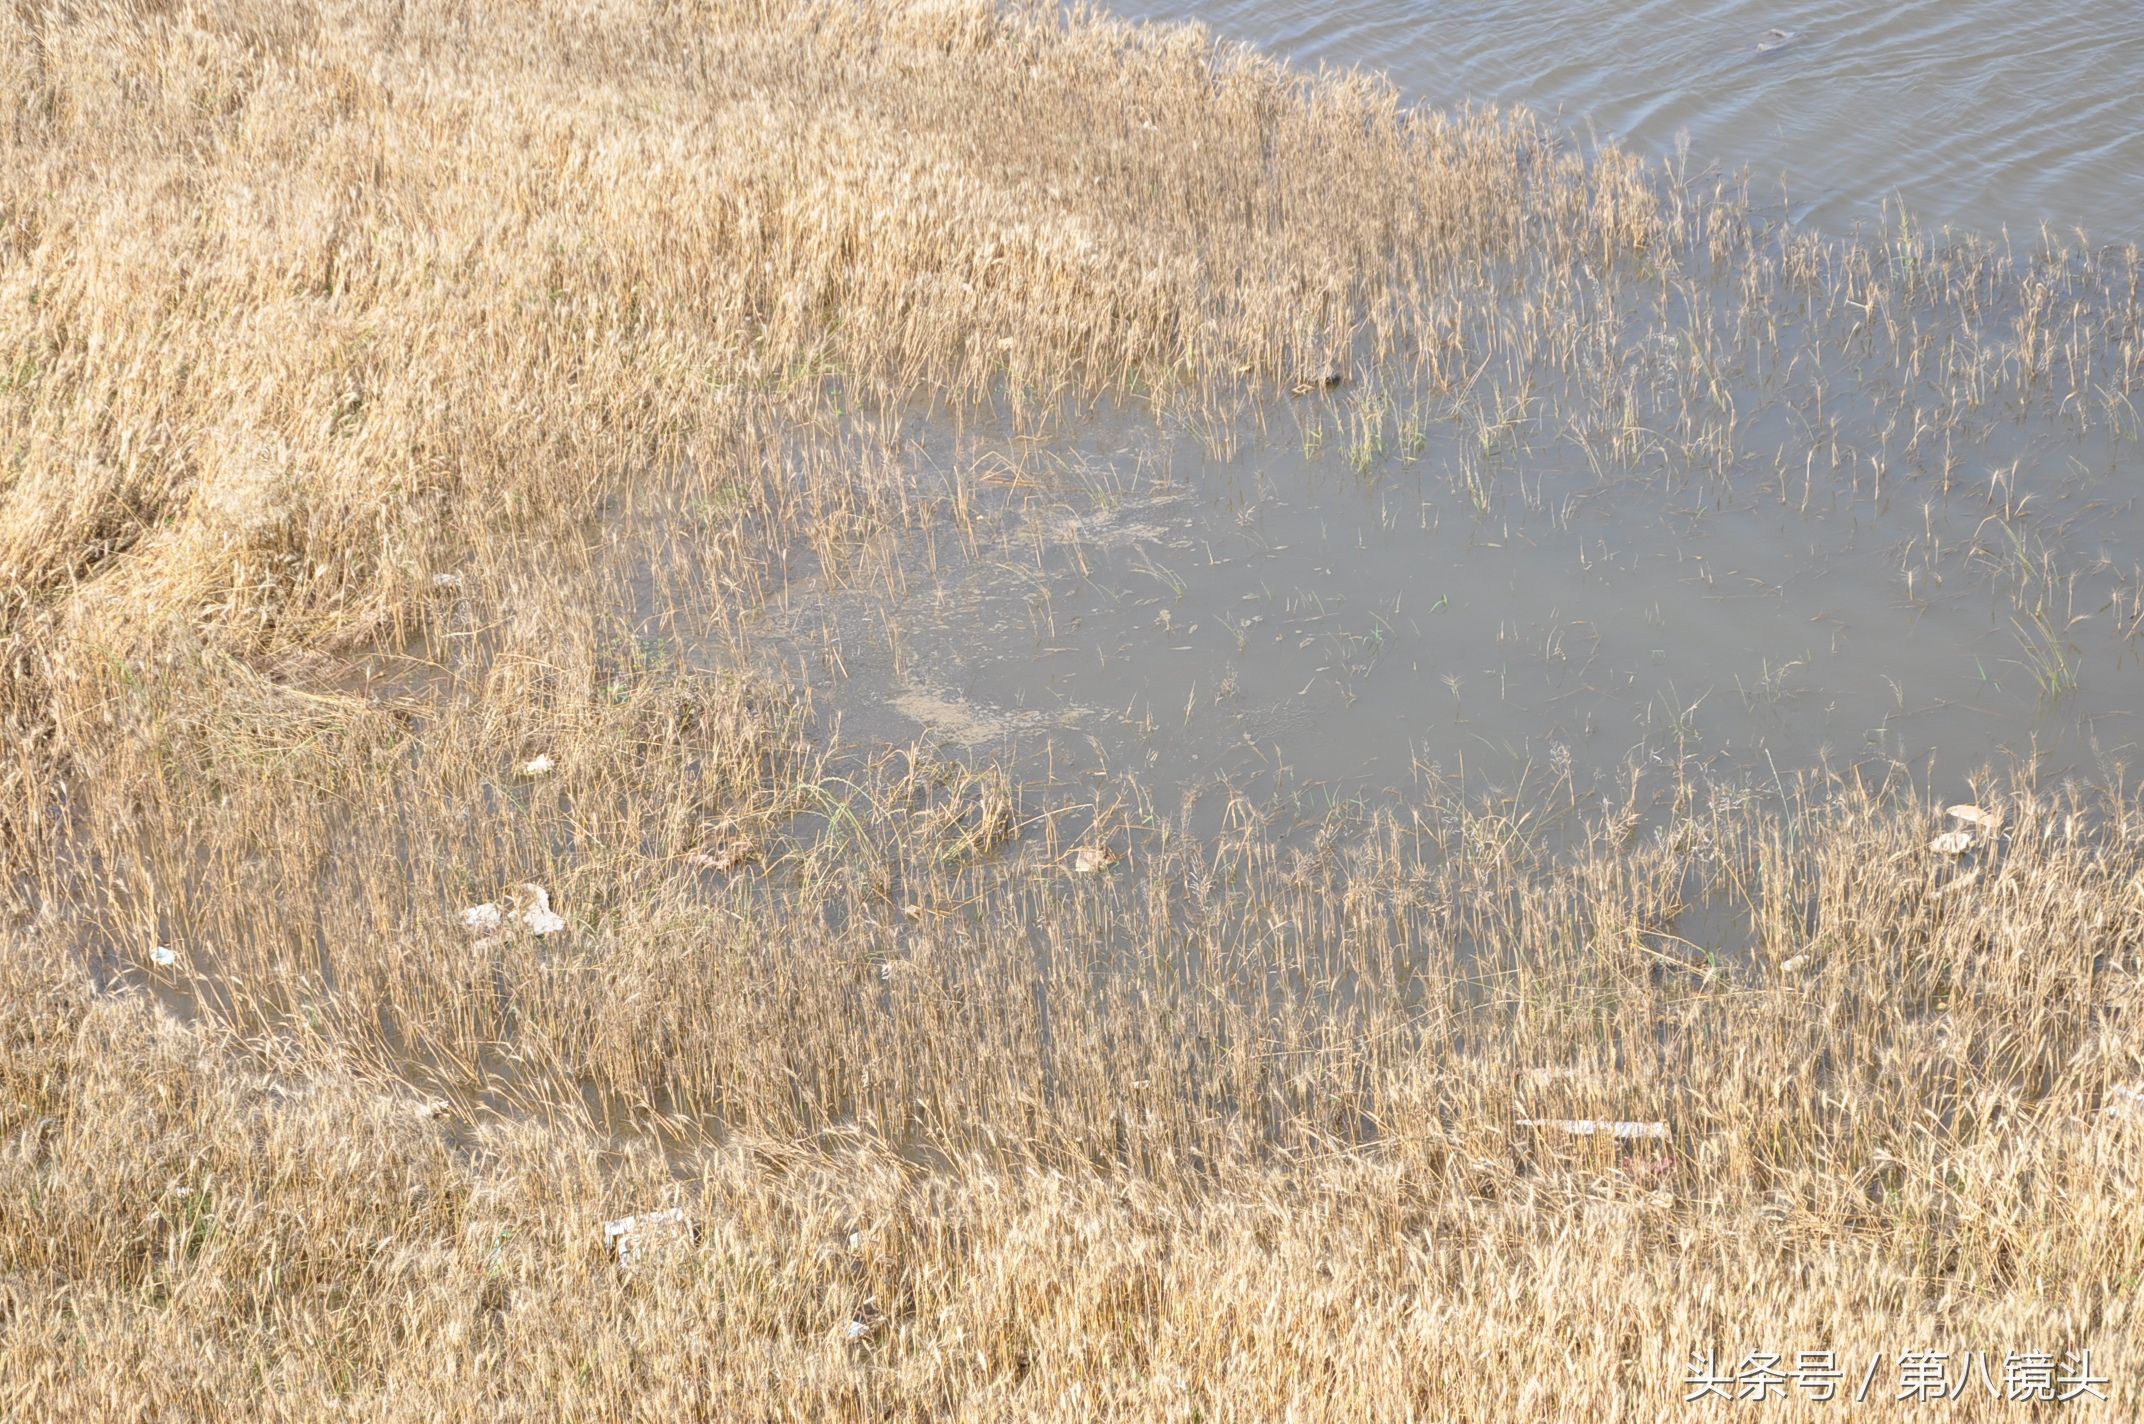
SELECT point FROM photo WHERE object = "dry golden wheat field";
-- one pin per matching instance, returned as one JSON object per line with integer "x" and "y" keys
{"x": 468, "y": 953}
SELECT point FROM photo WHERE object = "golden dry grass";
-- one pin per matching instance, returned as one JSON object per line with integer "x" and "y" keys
{"x": 358, "y": 365}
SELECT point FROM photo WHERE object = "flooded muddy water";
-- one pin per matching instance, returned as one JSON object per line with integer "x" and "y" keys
{"x": 1785, "y": 506}
{"x": 1135, "y": 604}
{"x": 1975, "y": 113}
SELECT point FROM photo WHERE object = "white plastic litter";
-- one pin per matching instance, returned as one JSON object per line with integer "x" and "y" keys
{"x": 1587, "y": 1127}
{"x": 528, "y": 903}
{"x": 2124, "y": 1101}
{"x": 486, "y": 918}
{"x": 1091, "y": 860}
{"x": 163, "y": 956}
{"x": 633, "y": 1239}
{"x": 536, "y": 911}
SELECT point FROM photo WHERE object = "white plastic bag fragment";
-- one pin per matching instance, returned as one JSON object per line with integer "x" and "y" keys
{"x": 528, "y": 905}
{"x": 536, "y": 911}
{"x": 2124, "y": 1101}
{"x": 486, "y": 918}
{"x": 1588, "y": 1127}
{"x": 1952, "y": 843}
{"x": 1092, "y": 860}
{"x": 163, "y": 956}
{"x": 538, "y": 766}
{"x": 632, "y": 1240}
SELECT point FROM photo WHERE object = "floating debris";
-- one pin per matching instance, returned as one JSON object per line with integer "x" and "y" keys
{"x": 631, "y": 1240}
{"x": 1794, "y": 965}
{"x": 1955, "y": 883}
{"x": 724, "y": 847}
{"x": 729, "y": 857}
{"x": 528, "y": 902}
{"x": 864, "y": 1323}
{"x": 536, "y": 911}
{"x": 1546, "y": 1075}
{"x": 1776, "y": 39}
{"x": 2124, "y": 1101}
{"x": 1589, "y": 1127}
{"x": 163, "y": 956}
{"x": 446, "y": 580}
{"x": 1975, "y": 816}
{"x": 482, "y": 919}
{"x": 1952, "y": 843}
{"x": 538, "y": 766}
{"x": 1323, "y": 379}
{"x": 1092, "y": 860}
